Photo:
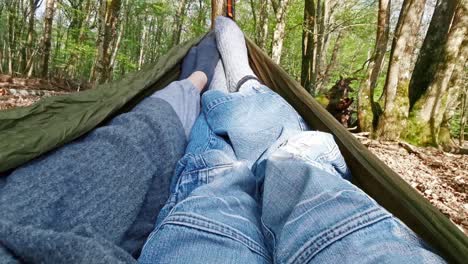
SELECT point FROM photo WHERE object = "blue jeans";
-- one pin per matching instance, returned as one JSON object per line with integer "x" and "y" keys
{"x": 255, "y": 187}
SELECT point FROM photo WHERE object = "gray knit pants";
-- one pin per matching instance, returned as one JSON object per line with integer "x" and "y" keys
{"x": 96, "y": 200}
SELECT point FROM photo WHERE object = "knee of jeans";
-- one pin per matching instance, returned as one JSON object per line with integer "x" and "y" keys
{"x": 312, "y": 145}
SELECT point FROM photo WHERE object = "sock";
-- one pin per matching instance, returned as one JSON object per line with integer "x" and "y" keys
{"x": 219, "y": 79}
{"x": 233, "y": 51}
{"x": 189, "y": 63}
{"x": 207, "y": 56}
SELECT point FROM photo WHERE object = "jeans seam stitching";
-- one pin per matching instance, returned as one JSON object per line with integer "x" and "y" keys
{"x": 348, "y": 226}
{"x": 217, "y": 102}
{"x": 216, "y": 228}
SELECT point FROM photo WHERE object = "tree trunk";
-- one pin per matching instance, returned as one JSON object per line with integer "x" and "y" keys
{"x": 393, "y": 120}
{"x": 218, "y": 8}
{"x": 430, "y": 108}
{"x": 11, "y": 35}
{"x": 123, "y": 22}
{"x": 333, "y": 60}
{"x": 141, "y": 59}
{"x": 262, "y": 29}
{"x": 366, "y": 105}
{"x": 47, "y": 38}
{"x": 431, "y": 52}
{"x": 320, "y": 30}
{"x": 308, "y": 32}
{"x": 108, "y": 17}
{"x": 76, "y": 54}
{"x": 463, "y": 115}
{"x": 179, "y": 22}
{"x": 30, "y": 41}
{"x": 279, "y": 32}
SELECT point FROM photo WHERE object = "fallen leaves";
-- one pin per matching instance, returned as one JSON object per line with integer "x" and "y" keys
{"x": 440, "y": 177}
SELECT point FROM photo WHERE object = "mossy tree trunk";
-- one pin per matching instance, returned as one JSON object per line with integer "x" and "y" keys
{"x": 393, "y": 120}
{"x": 431, "y": 52}
{"x": 366, "y": 104}
{"x": 428, "y": 112}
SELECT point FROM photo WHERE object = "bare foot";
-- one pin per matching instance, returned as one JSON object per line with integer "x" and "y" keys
{"x": 199, "y": 79}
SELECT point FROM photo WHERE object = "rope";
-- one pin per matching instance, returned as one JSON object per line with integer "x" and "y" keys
{"x": 231, "y": 9}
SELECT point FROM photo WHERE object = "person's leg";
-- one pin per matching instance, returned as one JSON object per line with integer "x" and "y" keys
{"x": 311, "y": 214}
{"x": 233, "y": 51}
{"x": 307, "y": 204}
{"x": 219, "y": 79}
{"x": 197, "y": 72}
{"x": 101, "y": 190}
{"x": 184, "y": 97}
{"x": 212, "y": 215}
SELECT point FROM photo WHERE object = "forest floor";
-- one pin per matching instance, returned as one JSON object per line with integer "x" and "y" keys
{"x": 440, "y": 177}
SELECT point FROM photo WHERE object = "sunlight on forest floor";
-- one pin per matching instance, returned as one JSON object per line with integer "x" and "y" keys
{"x": 440, "y": 177}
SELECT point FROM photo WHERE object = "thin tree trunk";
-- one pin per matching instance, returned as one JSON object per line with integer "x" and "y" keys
{"x": 393, "y": 120}
{"x": 108, "y": 18}
{"x": 141, "y": 59}
{"x": 366, "y": 105}
{"x": 430, "y": 108}
{"x": 123, "y": 22}
{"x": 253, "y": 8}
{"x": 76, "y": 54}
{"x": 11, "y": 35}
{"x": 30, "y": 40}
{"x": 320, "y": 29}
{"x": 47, "y": 38}
{"x": 308, "y": 33}
{"x": 333, "y": 60}
{"x": 431, "y": 52}
{"x": 218, "y": 8}
{"x": 179, "y": 22}
{"x": 463, "y": 116}
{"x": 260, "y": 21}
{"x": 279, "y": 32}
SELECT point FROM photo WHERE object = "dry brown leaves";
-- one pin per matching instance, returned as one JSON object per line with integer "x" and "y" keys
{"x": 9, "y": 100}
{"x": 440, "y": 177}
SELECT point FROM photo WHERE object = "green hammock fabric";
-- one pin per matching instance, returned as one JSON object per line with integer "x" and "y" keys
{"x": 26, "y": 133}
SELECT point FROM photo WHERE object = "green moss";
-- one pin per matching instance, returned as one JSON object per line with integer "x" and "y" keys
{"x": 417, "y": 132}
{"x": 322, "y": 100}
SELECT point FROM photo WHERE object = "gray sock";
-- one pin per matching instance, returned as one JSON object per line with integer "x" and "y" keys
{"x": 231, "y": 46}
{"x": 219, "y": 79}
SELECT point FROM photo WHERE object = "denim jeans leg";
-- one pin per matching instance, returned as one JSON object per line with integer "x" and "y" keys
{"x": 212, "y": 215}
{"x": 312, "y": 214}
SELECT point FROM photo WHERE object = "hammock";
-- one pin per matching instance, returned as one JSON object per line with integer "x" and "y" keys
{"x": 26, "y": 133}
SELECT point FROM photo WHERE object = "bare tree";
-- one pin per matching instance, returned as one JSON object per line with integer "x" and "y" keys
{"x": 366, "y": 105}
{"x": 393, "y": 120}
